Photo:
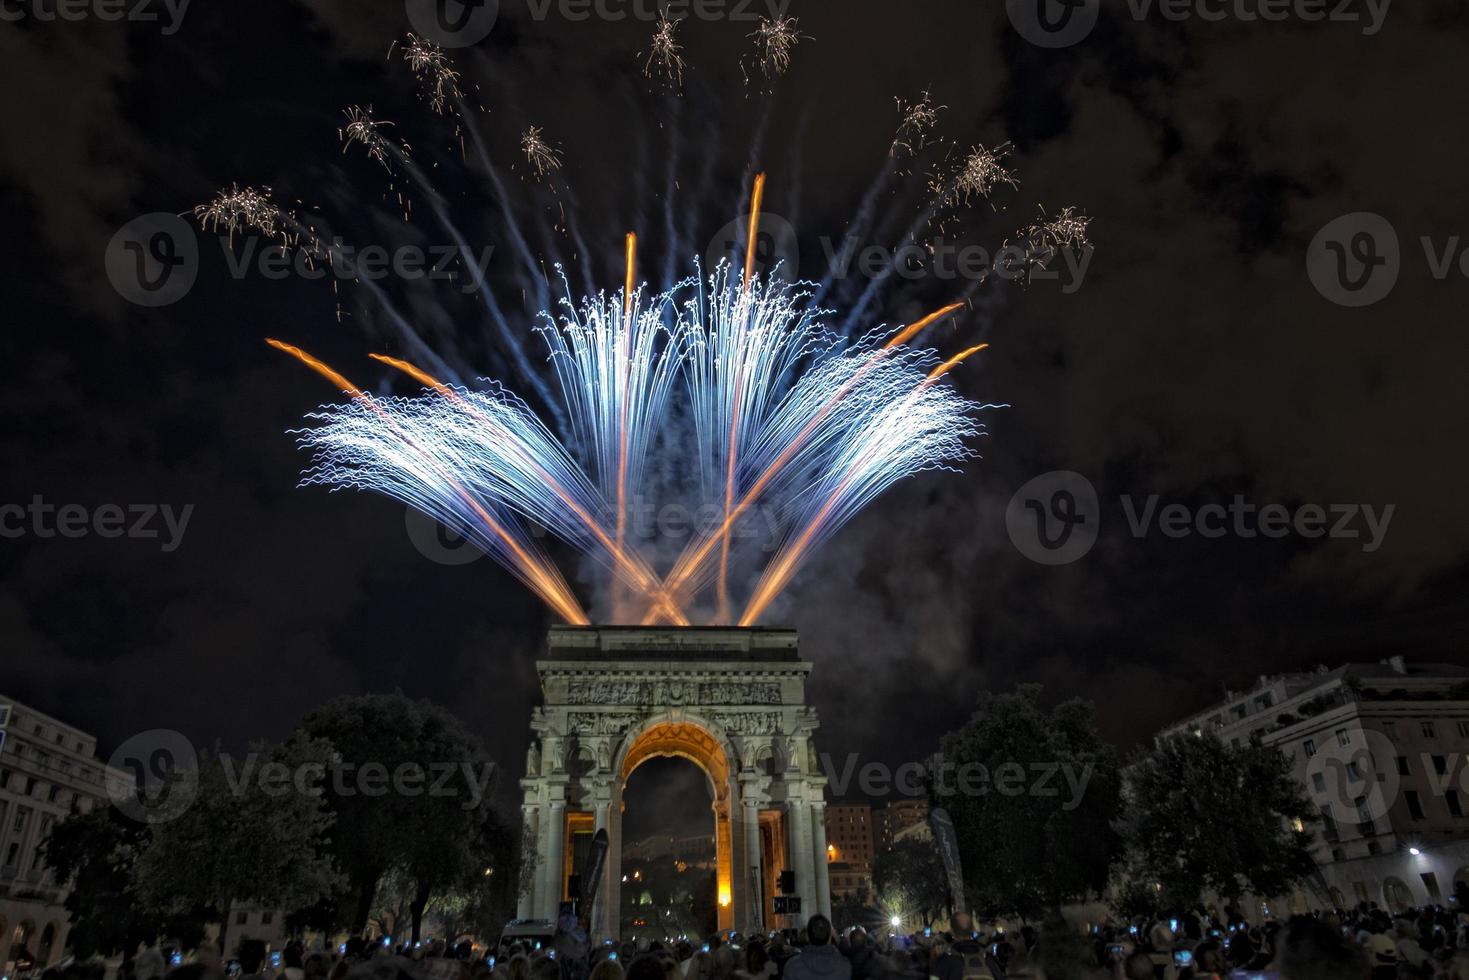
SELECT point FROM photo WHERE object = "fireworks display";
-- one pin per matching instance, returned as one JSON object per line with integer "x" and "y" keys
{"x": 539, "y": 153}
{"x": 981, "y": 171}
{"x": 774, "y": 38}
{"x": 436, "y": 76}
{"x": 782, "y": 411}
{"x": 731, "y": 392}
{"x": 664, "y": 59}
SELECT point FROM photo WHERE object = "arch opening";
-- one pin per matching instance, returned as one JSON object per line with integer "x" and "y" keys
{"x": 669, "y": 854}
{"x": 693, "y": 742}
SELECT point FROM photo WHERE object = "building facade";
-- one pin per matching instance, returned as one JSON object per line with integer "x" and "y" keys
{"x": 897, "y": 820}
{"x": 47, "y": 768}
{"x": 1382, "y": 750}
{"x": 850, "y": 848}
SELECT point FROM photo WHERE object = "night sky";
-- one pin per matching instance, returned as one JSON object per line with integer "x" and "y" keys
{"x": 1196, "y": 361}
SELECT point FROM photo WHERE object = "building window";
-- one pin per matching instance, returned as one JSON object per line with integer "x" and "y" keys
{"x": 1343, "y": 737}
{"x": 267, "y": 918}
{"x": 1427, "y": 729}
{"x": 1403, "y": 769}
{"x": 1430, "y": 882}
{"x": 13, "y": 855}
{"x": 1354, "y": 772}
{"x": 1451, "y": 800}
{"x": 1318, "y": 781}
{"x": 1464, "y": 729}
{"x": 241, "y": 918}
{"x": 1373, "y": 847}
{"x": 1440, "y": 765}
{"x": 1310, "y": 748}
{"x": 1415, "y": 807}
{"x": 1390, "y": 728}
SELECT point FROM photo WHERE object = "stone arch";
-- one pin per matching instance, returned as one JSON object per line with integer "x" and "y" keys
{"x": 729, "y": 700}
{"x": 1396, "y": 896}
{"x": 21, "y": 938}
{"x": 46, "y": 951}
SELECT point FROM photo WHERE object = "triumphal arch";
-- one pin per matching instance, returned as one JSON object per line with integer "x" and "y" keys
{"x": 733, "y": 701}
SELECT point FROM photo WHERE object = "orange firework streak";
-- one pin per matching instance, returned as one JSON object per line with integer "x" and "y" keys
{"x": 687, "y": 565}
{"x": 757, "y": 200}
{"x": 632, "y": 258}
{"x": 642, "y": 576}
{"x": 630, "y": 261}
{"x": 779, "y": 574}
{"x": 545, "y": 582}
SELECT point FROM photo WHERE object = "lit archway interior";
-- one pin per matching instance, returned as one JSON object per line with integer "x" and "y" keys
{"x": 689, "y": 741}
